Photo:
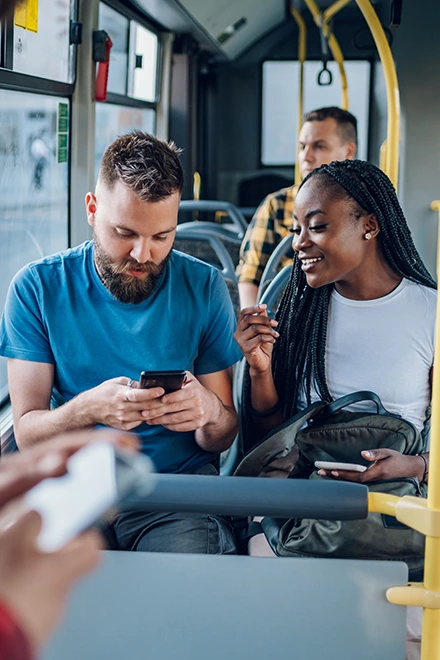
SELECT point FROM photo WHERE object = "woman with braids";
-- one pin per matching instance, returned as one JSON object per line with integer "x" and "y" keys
{"x": 357, "y": 314}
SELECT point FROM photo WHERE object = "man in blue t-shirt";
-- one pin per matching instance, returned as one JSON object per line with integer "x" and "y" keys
{"x": 82, "y": 324}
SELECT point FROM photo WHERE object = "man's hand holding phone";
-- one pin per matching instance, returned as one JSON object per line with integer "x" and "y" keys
{"x": 186, "y": 409}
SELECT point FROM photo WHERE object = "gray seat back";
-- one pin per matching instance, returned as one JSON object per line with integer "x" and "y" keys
{"x": 192, "y": 607}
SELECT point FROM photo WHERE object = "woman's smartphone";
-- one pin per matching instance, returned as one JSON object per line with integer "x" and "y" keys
{"x": 169, "y": 380}
{"x": 333, "y": 465}
{"x": 99, "y": 476}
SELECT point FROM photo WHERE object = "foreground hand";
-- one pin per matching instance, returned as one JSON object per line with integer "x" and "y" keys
{"x": 256, "y": 335}
{"x": 35, "y": 585}
{"x": 21, "y": 471}
{"x": 385, "y": 464}
{"x": 187, "y": 409}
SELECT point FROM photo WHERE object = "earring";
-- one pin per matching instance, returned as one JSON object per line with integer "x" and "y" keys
{"x": 367, "y": 236}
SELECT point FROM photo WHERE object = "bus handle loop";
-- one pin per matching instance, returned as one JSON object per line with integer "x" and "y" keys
{"x": 322, "y": 81}
{"x": 325, "y": 76}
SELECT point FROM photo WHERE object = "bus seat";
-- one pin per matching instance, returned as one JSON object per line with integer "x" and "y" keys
{"x": 208, "y": 246}
{"x": 272, "y": 295}
{"x": 226, "y": 234}
{"x": 189, "y": 207}
{"x": 192, "y": 607}
{"x": 283, "y": 249}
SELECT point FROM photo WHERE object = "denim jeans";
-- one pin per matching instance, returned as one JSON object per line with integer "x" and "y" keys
{"x": 175, "y": 532}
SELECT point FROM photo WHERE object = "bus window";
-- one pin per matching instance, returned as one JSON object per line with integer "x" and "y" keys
{"x": 279, "y": 104}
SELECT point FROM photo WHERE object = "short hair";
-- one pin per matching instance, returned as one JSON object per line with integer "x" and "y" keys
{"x": 347, "y": 123}
{"x": 148, "y": 166}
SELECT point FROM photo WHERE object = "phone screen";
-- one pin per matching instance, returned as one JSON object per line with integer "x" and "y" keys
{"x": 98, "y": 477}
{"x": 169, "y": 380}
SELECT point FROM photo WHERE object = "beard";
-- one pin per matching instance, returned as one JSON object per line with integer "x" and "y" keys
{"x": 125, "y": 287}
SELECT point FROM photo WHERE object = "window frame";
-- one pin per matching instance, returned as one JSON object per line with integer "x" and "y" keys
{"x": 25, "y": 83}
{"x": 126, "y": 99}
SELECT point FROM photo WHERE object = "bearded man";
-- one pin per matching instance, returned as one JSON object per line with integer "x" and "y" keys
{"x": 79, "y": 327}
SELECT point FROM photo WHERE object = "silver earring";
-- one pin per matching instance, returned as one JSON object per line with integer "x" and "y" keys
{"x": 367, "y": 236}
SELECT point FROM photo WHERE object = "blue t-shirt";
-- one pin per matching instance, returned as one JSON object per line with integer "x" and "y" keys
{"x": 58, "y": 311}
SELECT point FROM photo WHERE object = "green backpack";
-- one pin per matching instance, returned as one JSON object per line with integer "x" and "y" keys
{"x": 324, "y": 432}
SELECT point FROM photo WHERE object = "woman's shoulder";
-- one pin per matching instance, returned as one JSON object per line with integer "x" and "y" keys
{"x": 421, "y": 292}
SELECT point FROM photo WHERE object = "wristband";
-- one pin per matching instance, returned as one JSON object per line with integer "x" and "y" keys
{"x": 425, "y": 472}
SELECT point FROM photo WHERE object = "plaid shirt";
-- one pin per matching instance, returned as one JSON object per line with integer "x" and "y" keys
{"x": 272, "y": 221}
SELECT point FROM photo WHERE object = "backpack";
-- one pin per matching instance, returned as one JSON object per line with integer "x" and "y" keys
{"x": 325, "y": 432}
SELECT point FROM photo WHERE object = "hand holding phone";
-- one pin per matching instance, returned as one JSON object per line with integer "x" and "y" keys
{"x": 334, "y": 465}
{"x": 170, "y": 381}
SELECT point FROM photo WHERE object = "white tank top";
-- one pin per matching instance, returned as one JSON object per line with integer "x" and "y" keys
{"x": 384, "y": 345}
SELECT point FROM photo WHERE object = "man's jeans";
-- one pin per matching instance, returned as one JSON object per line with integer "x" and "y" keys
{"x": 176, "y": 532}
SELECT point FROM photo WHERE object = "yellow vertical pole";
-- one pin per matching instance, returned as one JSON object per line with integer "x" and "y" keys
{"x": 383, "y": 47}
{"x": 302, "y": 40}
{"x": 431, "y": 617}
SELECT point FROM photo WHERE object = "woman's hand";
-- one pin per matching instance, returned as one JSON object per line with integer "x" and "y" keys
{"x": 385, "y": 464}
{"x": 256, "y": 335}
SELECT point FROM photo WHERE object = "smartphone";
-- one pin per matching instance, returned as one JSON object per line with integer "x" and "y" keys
{"x": 99, "y": 476}
{"x": 169, "y": 380}
{"x": 333, "y": 465}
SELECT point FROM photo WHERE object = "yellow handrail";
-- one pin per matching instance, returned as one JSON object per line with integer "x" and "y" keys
{"x": 431, "y": 617}
{"x": 302, "y": 40}
{"x": 383, "y": 156}
{"x": 332, "y": 43}
{"x": 197, "y": 183}
{"x": 393, "y": 133}
{"x": 424, "y": 516}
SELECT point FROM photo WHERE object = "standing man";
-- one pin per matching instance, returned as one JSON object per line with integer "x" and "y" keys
{"x": 83, "y": 324}
{"x": 327, "y": 134}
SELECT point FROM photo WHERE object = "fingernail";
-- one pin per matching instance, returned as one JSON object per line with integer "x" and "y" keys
{"x": 321, "y": 472}
{"x": 335, "y": 474}
{"x": 367, "y": 453}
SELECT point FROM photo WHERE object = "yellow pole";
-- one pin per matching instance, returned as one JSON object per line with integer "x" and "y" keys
{"x": 332, "y": 43}
{"x": 431, "y": 617}
{"x": 383, "y": 156}
{"x": 301, "y": 59}
{"x": 197, "y": 182}
{"x": 393, "y": 133}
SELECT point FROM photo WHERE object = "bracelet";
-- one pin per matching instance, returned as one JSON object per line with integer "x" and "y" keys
{"x": 266, "y": 413}
{"x": 425, "y": 472}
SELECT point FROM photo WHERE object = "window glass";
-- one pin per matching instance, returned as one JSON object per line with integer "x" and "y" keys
{"x": 113, "y": 120}
{"x": 41, "y": 39}
{"x": 117, "y": 27}
{"x": 280, "y": 102}
{"x": 33, "y": 184}
{"x": 143, "y": 51}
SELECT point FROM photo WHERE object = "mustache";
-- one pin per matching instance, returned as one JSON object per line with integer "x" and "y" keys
{"x": 126, "y": 265}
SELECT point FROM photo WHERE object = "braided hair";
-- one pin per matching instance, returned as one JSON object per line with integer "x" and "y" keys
{"x": 298, "y": 361}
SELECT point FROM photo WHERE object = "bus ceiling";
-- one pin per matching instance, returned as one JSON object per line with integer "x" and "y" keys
{"x": 228, "y": 29}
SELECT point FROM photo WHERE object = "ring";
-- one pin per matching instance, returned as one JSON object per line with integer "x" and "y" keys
{"x": 127, "y": 391}
{"x": 130, "y": 382}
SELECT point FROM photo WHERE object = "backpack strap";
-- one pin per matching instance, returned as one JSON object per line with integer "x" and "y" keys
{"x": 356, "y": 397}
{"x": 277, "y": 443}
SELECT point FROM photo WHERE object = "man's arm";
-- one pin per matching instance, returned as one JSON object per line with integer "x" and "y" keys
{"x": 204, "y": 405}
{"x": 30, "y": 387}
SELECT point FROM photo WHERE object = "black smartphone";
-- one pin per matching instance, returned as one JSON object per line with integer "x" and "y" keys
{"x": 169, "y": 380}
